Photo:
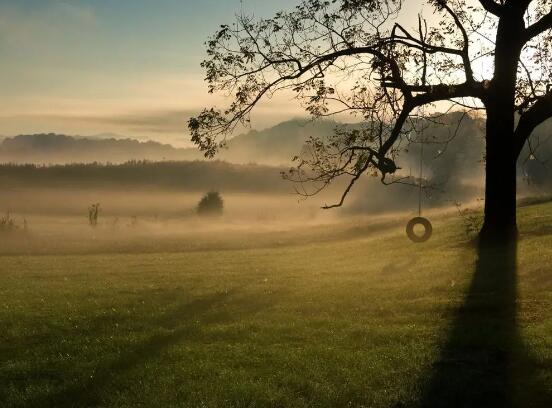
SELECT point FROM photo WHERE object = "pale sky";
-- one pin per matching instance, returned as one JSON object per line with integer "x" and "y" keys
{"x": 123, "y": 66}
{"x": 114, "y": 66}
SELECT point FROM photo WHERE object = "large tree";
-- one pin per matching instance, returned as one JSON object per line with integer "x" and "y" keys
{"x": 363, "y": 57}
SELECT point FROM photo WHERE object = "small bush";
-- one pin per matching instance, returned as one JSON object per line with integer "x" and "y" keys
{"x": 7, "y": 223}
{"x": 133, "y": 221}
{"x": 93, "y": 213}
{"x": 472, "y": 220}
{"x": 210, "y": 205}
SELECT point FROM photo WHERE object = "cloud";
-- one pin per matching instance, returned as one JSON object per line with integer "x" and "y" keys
{"x": 158, "y": 122}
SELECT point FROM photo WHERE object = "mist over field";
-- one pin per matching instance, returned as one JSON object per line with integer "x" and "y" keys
{"x": 275, "y": 204}
{"x": 100, "y": 169}
{"x": 148, "y": 193}
{"x": 145, "y": 199}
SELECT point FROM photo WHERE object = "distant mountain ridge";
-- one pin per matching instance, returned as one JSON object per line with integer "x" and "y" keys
{"x": 273, "y": 146}
{"x": 452, "y": 161}
{"x": 276, "y": 145}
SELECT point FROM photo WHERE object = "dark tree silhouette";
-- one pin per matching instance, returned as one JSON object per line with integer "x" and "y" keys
{"x": 210, "y": 205}
{"x": 354, "y": 56}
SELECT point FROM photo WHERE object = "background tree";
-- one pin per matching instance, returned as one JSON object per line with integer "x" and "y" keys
{"x": 355, "y": 56}
{"x": 211, "y": 204}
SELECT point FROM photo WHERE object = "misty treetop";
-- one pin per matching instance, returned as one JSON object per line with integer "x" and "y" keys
{"x": 356, "y": 57}
{"x": 210, "y": 205}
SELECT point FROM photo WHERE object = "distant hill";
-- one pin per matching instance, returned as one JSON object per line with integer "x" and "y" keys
{"x": 276, "y": 145}
{"x": 273, "y": 146}
{"x": 446, "y": 157}
{"x": 453, "y": 162}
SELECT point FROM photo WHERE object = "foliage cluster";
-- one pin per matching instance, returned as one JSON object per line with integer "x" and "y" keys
{"x": 210, "y": 205}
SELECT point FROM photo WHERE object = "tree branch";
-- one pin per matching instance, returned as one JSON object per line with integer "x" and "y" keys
{"x": 545, "y": 23}
{"x": 534, "y": 116}
{"x": 350, "y": 186}
{"x": 432, "y": 94}
{"x": 465, "y": 53}
{"x": 492, "y": 7}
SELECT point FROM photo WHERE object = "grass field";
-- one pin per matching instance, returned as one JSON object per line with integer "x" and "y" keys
{"x": 348, "y": 315}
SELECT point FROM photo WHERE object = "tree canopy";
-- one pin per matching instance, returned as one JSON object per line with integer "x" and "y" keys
{"x": 359, "y": 57}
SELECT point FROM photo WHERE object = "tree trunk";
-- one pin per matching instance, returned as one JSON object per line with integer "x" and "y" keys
{"x": 500, "y": 225}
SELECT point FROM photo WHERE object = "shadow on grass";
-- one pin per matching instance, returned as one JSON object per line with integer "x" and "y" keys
{"x": 484, "y": 362}
{"x": 184, "y": 323}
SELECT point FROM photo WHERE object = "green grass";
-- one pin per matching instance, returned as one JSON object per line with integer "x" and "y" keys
{"x": 362, "y": 320}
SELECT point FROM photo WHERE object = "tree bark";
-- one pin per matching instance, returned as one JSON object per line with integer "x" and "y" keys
{"x": 500, "y": 225}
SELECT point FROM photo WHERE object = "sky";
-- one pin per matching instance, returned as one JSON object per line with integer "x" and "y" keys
{"x": 117, "y": 66}
{"x": 129, "y": 67}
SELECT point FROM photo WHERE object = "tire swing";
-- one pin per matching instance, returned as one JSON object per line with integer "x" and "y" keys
{"x": 413, "y": 223}
{"x": 419, "y": 220}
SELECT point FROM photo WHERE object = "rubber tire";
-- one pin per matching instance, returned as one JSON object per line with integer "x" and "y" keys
{"x": 419, "y": 221}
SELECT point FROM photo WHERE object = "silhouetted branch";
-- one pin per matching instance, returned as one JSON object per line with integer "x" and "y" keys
{"x": 492, "y": 7}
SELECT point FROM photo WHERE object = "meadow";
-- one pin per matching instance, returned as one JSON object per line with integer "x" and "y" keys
{"x": 328, "y": 313}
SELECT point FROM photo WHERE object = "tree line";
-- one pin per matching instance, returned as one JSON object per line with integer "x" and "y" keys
{"x": 185, "y": 176}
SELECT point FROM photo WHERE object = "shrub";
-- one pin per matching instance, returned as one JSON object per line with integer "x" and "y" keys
{"x": 93, "y": 213}
{"x": 210, "y": 205}
{"x": 7, "y": 223}
{"x": 472, "y": 220}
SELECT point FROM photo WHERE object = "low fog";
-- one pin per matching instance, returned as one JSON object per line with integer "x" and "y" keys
{"x": 57, "y": 221}
{"x": 153, "y": 203}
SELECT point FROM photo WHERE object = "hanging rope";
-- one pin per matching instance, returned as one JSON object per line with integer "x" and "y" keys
{"x": 419, "y": 220}
{"x": 421, "y": 187}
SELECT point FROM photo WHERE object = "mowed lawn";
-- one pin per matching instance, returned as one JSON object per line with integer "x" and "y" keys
{"x": 360, "y": 321}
